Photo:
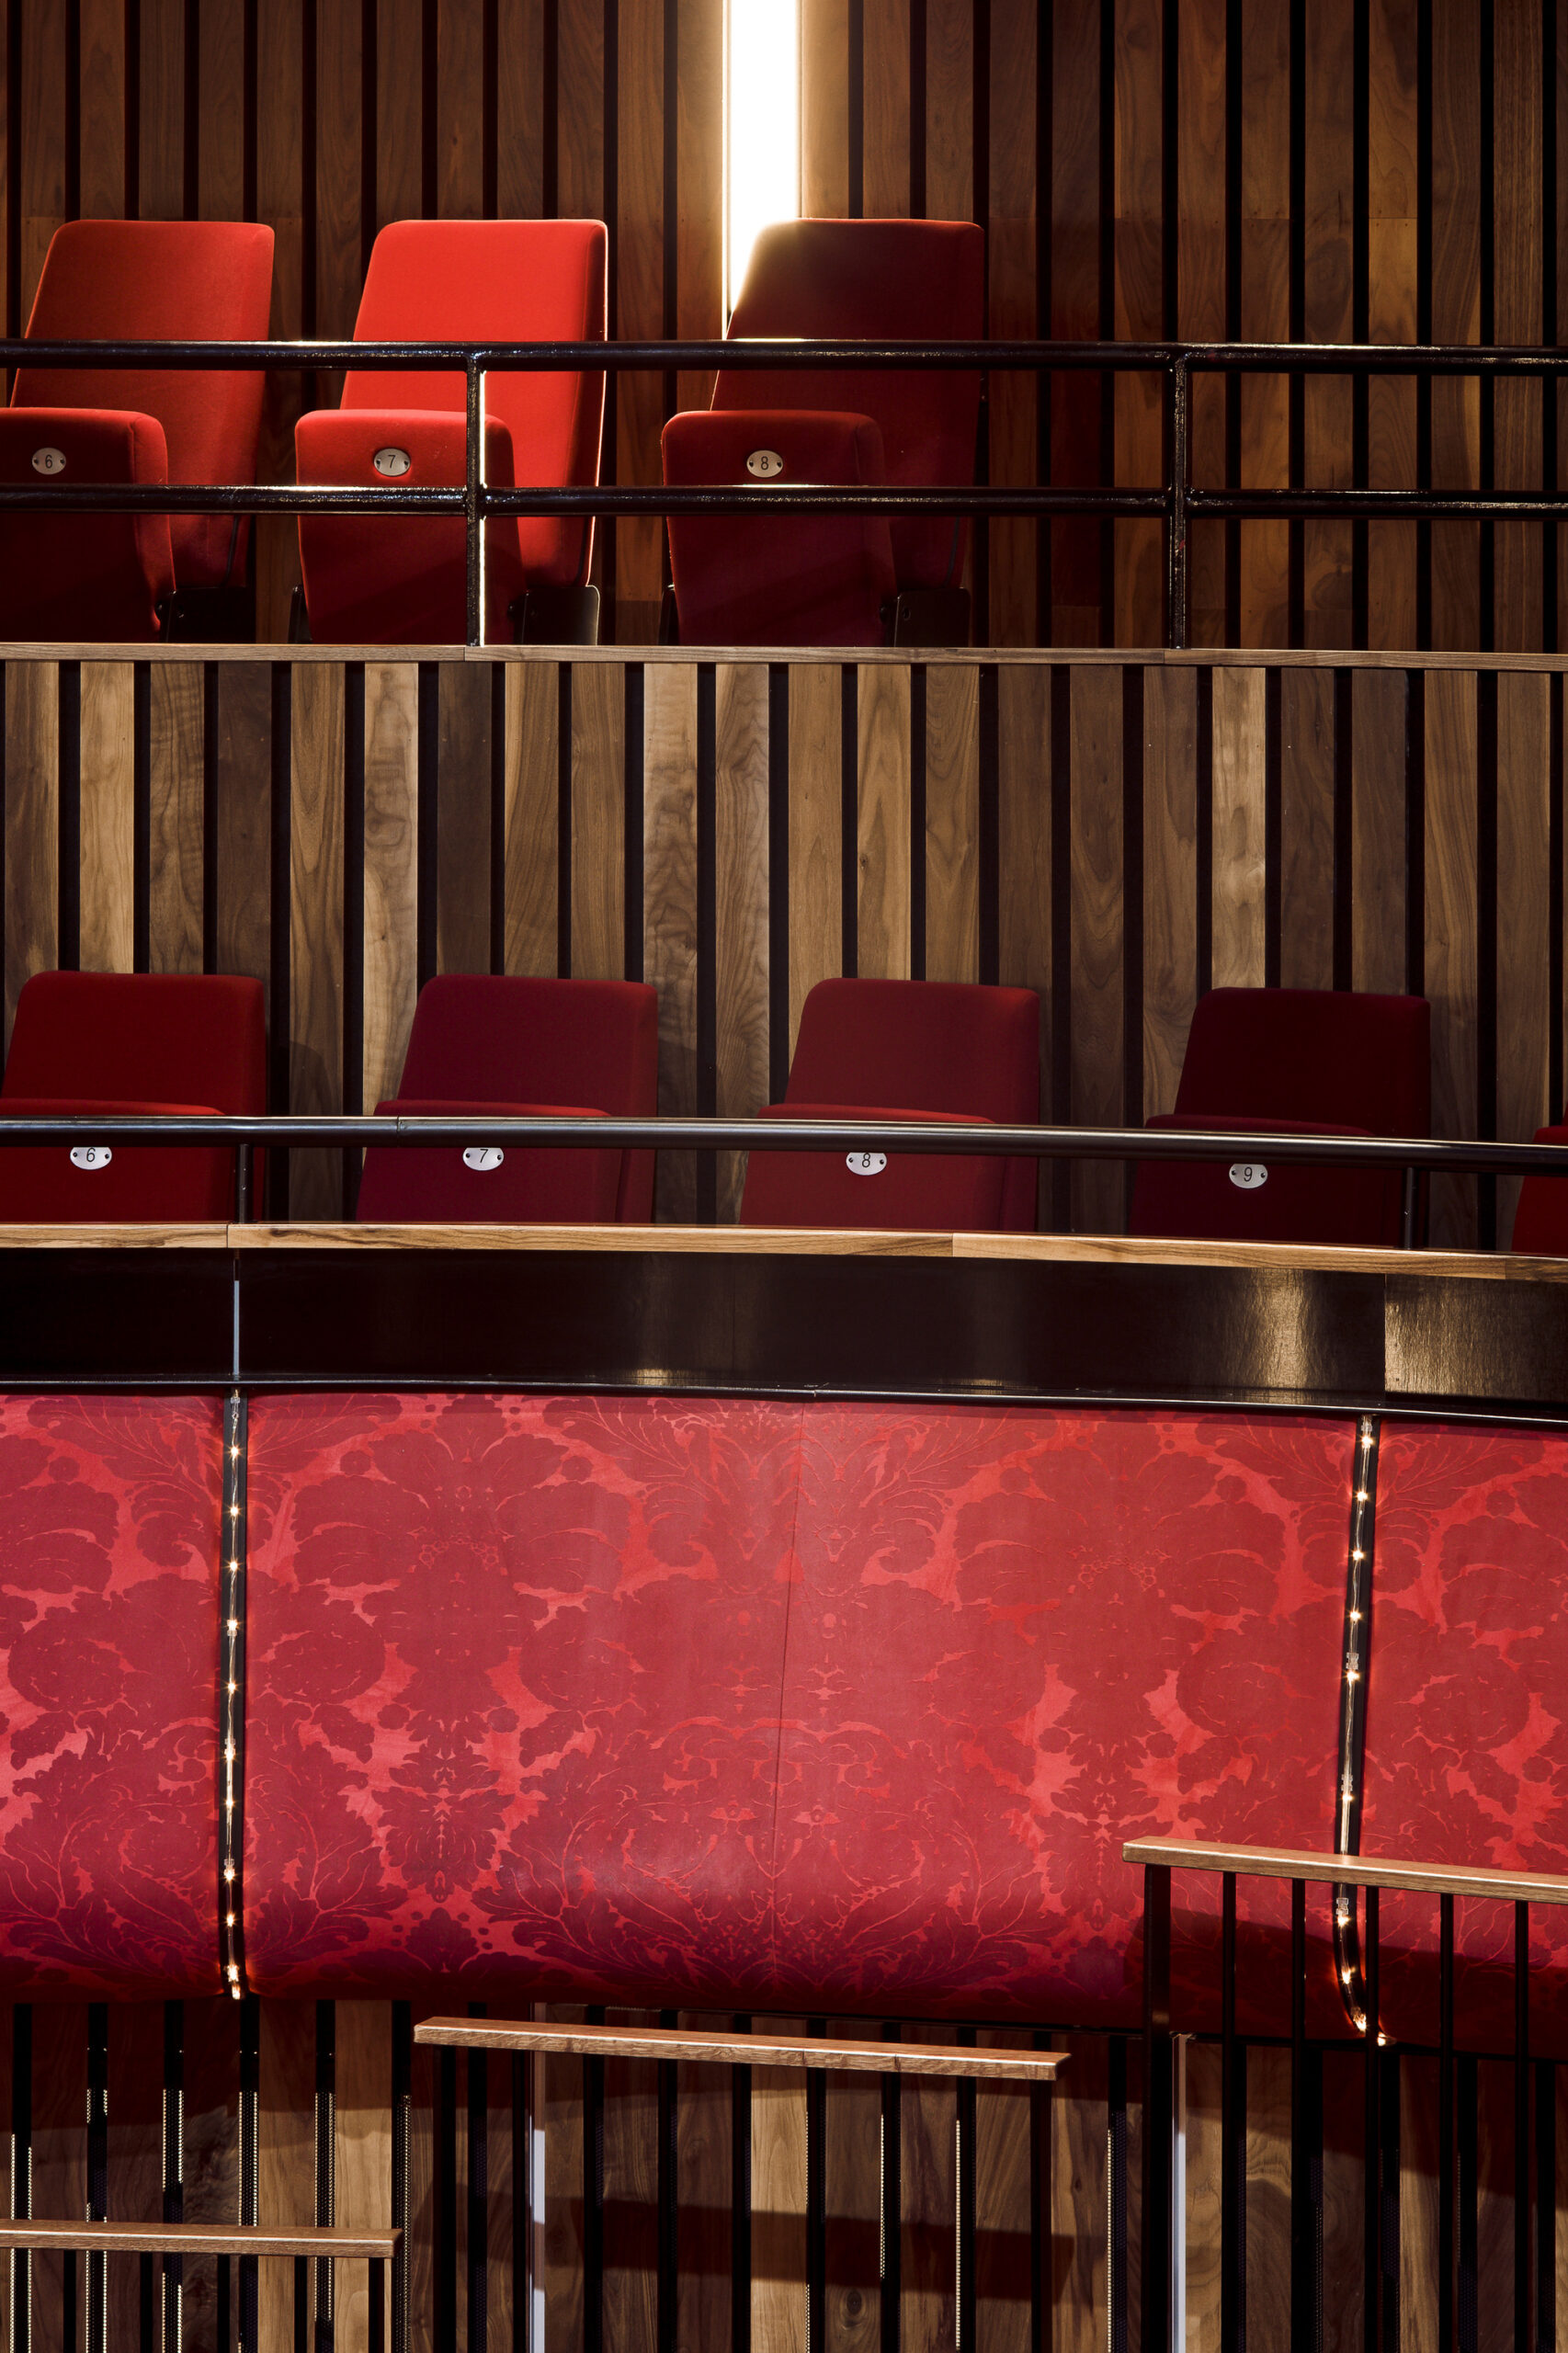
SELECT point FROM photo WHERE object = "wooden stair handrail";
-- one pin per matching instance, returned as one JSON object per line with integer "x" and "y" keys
{"x": 195, "y": 2238}
{"x": 1348, "y": 1870}
{"x": 984, "y": 2063}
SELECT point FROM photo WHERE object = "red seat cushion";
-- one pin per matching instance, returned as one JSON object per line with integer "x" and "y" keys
{"x": 947, "y": 1048}
{"x": 94, "y": 1042}
{"x": 1203, "y": 1199}
{"x": 442, "y": 1187}
{"x": 1541, "y": 1222}
{"x": 910, "y": 1192}
{"x": 717, "y": 1701}
{"x": 84, "y": 576}
{"x": 110, "y": 1512}
{"x": 481, "y": 1041}
{"x": 1331, "y": 1062}
{"x": 780, "y": 579}
{"x": 515, "y": 280}
{"x": 743, "y": 581}
{"x": 145, "y": 280}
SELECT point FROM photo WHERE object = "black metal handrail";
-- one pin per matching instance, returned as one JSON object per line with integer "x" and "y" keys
{"x": 1174, "y": 503}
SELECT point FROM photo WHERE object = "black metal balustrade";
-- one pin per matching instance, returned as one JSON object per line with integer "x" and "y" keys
{"x": 1174, "y": 503}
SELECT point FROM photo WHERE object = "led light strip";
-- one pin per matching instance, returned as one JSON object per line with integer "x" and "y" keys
{"x": 1352, "y": 1753}
{"x": 231, "y": 1698}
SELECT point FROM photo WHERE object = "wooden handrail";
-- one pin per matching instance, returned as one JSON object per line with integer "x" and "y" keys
{"x": 195, "y": 2238}
{"x": 1348, "y": 1871}
{"x": 746, "y": 2050}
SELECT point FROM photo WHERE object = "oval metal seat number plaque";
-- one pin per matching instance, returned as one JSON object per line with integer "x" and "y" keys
{"x": 1248, "y": 1174}
{"x": 764, "y": 465}
{"x": 90, "y": 1155}
{"x": 392, "y": 463}
{"x": 49, "y": 460}
{"x": 483, "y": 1157}
{"x": 865, "y": 1164}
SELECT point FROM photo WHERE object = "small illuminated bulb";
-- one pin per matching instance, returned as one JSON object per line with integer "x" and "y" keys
{"x": 1345, "y": 1977}
{"x": 233, "y": 1688}
{"x": 228, "y": 1870}
{"x": 228, "y": 1919}
{"x": 1357, "y": 1556}
{"x": 1362, "y": 1496}
{"x": 233, "y": 1511}
{"x": 233, "y": 1625}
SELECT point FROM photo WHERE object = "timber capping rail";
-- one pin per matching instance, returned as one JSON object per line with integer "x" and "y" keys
{"x": 738, "y": 2050}
{"x": 28, "y": 2236}
{"x": 1347, "y": 1871}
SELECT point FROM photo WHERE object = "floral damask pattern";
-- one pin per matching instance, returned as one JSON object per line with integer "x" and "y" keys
{"x": 725, "y": 1701}
{"x": 108, "y": 1668}
{"x": 1467, "y": 1730}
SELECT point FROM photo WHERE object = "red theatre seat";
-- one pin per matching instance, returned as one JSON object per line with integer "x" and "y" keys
{"x": 482, "y": 1044}
{"x": 114, "y": 576}
{"x": 913, "y": 1050}
{"x": 825, "y": 579}
{"x": 374, "y": 580}
{"x": 87, "y": 1043}
{"x": 1541, "y": 1222}
{"x": 1266, "y": 1062}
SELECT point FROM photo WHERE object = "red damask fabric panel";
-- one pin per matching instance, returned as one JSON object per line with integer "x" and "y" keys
{"x": 719, "y": 1702}
{"x": 1467, "y": 1715}
{"x": 513, "y": 1695}
{"x": 109, "y": 1510}
{"x": 1021, "y": 1637}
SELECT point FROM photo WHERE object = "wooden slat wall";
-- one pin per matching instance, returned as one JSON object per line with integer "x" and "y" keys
{"x": 1242, "y": 166}
{"x": 1117, "y": 837}
{"x": 345, "y": 2053}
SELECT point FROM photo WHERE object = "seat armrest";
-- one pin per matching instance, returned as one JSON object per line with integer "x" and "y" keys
{"x": 72, "y": 446}
{"x": 341, "y": 446}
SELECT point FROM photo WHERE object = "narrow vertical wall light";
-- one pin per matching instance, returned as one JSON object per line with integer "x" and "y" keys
{"x": 762, "y": 128}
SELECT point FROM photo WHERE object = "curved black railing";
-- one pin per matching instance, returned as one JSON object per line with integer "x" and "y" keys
{"x": 1175, "y": 501}
{"x": 1412, "y": 1156}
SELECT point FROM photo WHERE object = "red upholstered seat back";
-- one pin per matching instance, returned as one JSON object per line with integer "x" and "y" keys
{"x": 129, "y": 1041}
{"x": 910, "y": 1046}
{"x": 141, "y": 1037}
{"x": 908, "y": 280}
{"x": 479, "y": 1040}
{"x": 1330, "y": 1057}
{"x": 1334, "y": 1060}
{"x": 153, "y": 280}
{"x": 521, "y": 281}
{"x": 1541, "y": 1222}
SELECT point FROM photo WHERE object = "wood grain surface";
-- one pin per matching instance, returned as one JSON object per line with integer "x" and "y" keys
{"x": 1348, "y": 1871}
{"x": 952, "y": 825}
{"x": 176, "y": 818}
{"x": 837, "y": 2054}
{"x": 882, "y": 824}
{"x": 391, "y": 868}
{"x": 107, "y": 820}
{"x": 741, "y": 948}
{"x": 669, "y": 911}
{"x": 315, "y": 931}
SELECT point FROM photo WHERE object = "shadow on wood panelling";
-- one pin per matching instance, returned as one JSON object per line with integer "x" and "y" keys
{"x": 1119, "y": 837}
{"x": 1379, "y": 169}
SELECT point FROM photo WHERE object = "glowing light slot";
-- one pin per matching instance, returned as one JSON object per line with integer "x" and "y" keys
{"x": 762, "y": 135}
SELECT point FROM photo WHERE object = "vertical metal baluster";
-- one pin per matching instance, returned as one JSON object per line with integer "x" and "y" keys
{"x": 964, "y": 2251}
{"x": 1372, "y": 2174}
{"x": 891, "y": 2267}
{"x": 816, "y": 2201}
{"x": 478, "y": 2194}
{"x": 1446, "y": 2315}
{"x": 740, "y": 2202}
{"x": 1304, "y": 2249}
{"x": 250, "y": 2156}
{"x": 173, "y": 2170}
{"x": 1232, "y": 2130}
{"x": 1158, "y": 2120}
{"x": 473, "y": 518}
{"x": 1545, "y": 2205}
{"x": 668, "y": 2194}
{"x": 1522, "y": 2128}
{"x": 1467, "y": 2091}
{"x": 1116, "y": 2196}
{"x": 1180, "y": 395}
{"x": 21, "y": 2173}
{"x": 402, "y": 2141}
{"x": 1041, "y": 2249}
{"x": 523, "y": 2202}
{"x": 593, "y": 2199}
{"x": 444, "y": 2087}
{"x": 327, "y": 2168}
{"x": 98, "y": 2169}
